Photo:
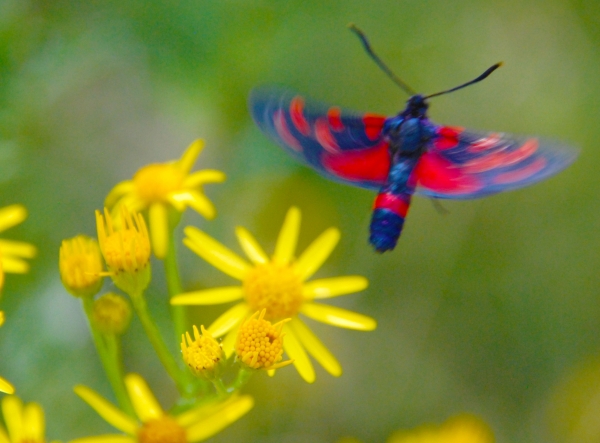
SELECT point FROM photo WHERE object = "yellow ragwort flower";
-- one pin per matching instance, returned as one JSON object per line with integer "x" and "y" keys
{"x": 278, "y": 285}
{"x": 259, "y": 344}
{"x": 12, "y": 252}
{"x": 202, "y": 354}
{"x": 126, "y": 249}
{"x": 161, "y": 186}
{"x": 5, "y": 386}
{"x": 111, "y": 314}
{"x": 461, "y": 429}
{"x": 80, "y": 266}
{"x": 157, "y": 426}
{"x": 24, "y": 423}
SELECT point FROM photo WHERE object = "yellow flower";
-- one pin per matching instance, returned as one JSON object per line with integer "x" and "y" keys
{"x": 279, "y": 285}
{"x": 80, "y": 265}
{"x": 12, "y": 252}
{"x": 25, "y": 423}
{"x": 161, "y": 186}
{"x": 156, "y": 426}
{"x": 259, "y": 344}
{"x": 5, "y": 386}
{"x": 126, "y": 249}
{"x": 111, "y": 314}
{"x": 461, "y": 429}
{"x": 202, "y": 354}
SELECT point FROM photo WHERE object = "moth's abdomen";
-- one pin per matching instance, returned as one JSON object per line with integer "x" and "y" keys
{"x": 389, "y": 211}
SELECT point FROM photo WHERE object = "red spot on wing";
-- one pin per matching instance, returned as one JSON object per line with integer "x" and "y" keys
{"x": 334, "y": 116}
{"x": 284, "y": 131}
{"x": 522, "y": 173}
{"x": 297, "y": 115}
{"x": 441, "y": 143}
{"x": 450, "y": 131}
{"x": 371, "y": 164}
{"x": 439, "y": 175}
{"x": 393, "y": 203}
{"x": 447, "y": 137}
{"x": 501, "y": 158}
{"x": 373, "y": 125}
{"x": 324, "y": 136}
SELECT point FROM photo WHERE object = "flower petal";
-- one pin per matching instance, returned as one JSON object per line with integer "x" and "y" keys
{"x": 228, "y": 343}
{"x": 335, "y": 316}
{"x": 191, "y": 416}
{"x": 315, "y": 347}
{"x": 11, "y": 216}
{"x": 316, "y": 253}
{"x": 12, "y": 410}
{"x": 121, "y": 189}
{"x": 188, "y": 158}
{"x": 288, "y": 237}
{"x": 332, "y": 287}
{"x": 212, "y": 424}
{"x": 215, "y": 253}
{"x": 131, "y": 202}
{"x": 296, "y": 352}
{"x": 196, "y": 200}
{"x": 159, "y": 229}
{"x": 17, "y": 248}
{"x": 250, "y": 246}
{"x": 205, "y": 176}
{"x": 106, "y": 410}
{"x": 5, "y": 386}
{"x": 33, "y": 423}
{"x": 214, "y": 296}
{"x": 14, "y": 265}
{"x": 145, "y": 404}
{"x": 229, "y": 319}
{"x": 108, "y": 438}
{"x": 3, "y": 436}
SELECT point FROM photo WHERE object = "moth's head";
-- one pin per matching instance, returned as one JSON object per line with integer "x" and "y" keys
{"x": 416, "y": 106}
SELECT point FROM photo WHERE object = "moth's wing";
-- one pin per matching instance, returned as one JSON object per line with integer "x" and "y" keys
{"x": 342, "y": 145}
{"x": 462, "y": 164}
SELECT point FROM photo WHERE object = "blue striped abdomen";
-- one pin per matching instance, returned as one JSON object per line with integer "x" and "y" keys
{"x": 392, "y": 203}
{"x": 389, "y": 212}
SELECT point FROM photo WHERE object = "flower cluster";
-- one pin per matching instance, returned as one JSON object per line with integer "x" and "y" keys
{"x": 278, "y": 285}
{"x": 264, "y": 330}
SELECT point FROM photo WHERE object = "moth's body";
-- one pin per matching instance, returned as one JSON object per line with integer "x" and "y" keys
{"x": 407, "y": 135}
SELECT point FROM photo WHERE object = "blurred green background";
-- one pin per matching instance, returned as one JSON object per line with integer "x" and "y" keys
{"x": 492, "y": 309}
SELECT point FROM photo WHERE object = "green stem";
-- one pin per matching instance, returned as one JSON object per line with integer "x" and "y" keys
{"x": 108, "y": 351}
{"x": 220, "y": 386}
{"x": 178, "y": 313}
{"x": 174, "y": 287}
{"x": 139, "y": 304}
{"x": 243, "y": 377}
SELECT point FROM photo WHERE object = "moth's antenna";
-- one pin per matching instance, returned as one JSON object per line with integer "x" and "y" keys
{"x": 478, "y": 79}
{"x": 376, "y": 59}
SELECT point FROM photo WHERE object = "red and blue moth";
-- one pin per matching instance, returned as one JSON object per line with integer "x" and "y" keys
{"x": 404, "y": 154}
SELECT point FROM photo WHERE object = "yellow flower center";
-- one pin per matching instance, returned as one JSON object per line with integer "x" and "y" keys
{"x": 274, "y": 287}
{"x": 127, "y": 250}
{"x": 259, "y": 343}
{"x": 80, "y": 265}
{"x": 202, "y": 353}
{"x": 155, "y": 182}
{"x": 162, "y": 430}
